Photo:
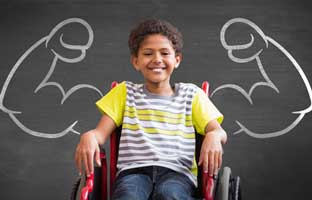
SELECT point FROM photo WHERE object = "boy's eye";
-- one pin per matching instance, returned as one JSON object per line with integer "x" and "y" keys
{"x": 150, "y": 53}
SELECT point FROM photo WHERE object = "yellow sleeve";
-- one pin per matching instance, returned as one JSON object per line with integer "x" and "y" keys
{"x": 203, "y": 111}
{"x": 113, "y": 103}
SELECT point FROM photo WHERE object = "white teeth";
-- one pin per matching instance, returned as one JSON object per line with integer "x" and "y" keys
{"x": 157, "y": 69}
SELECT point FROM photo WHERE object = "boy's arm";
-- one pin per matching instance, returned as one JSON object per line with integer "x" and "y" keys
{"x": 214, "y": 126}
{"x": 211, "y": 150}
{"x": 88, "y": 148}
{"x": 105, "y": 127}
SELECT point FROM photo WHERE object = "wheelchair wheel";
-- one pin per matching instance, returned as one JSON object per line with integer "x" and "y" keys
{"x": 81, "y": 183}
{"x": 224, "y": 184}
{"x": 236, "y": 189}
{"x": 228, "y": 188}
{"x": 76, "y": 190}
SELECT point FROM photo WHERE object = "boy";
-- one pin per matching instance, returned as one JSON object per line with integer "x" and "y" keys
{"x": 157, "y": 143}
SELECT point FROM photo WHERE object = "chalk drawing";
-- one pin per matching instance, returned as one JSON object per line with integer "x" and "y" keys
{"x": 45, "y": 82}
{"x": 267, "y": 83}
{"x": 83, "y": 48}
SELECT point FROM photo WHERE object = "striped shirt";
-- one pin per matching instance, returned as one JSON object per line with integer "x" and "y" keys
{"x": 159, "y": 130}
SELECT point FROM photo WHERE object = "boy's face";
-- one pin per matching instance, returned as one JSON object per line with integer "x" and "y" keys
{"x": 156, "y": 59}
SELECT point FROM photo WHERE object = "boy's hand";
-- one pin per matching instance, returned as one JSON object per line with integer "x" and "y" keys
{"x": 211, "y": 153}
{"x": 86, "y": 151}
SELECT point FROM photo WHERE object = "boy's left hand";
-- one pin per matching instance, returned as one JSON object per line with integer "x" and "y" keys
{"x": 211, "y": 153}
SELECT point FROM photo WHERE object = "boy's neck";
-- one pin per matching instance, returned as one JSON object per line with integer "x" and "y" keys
{"x": 162, "y": 90}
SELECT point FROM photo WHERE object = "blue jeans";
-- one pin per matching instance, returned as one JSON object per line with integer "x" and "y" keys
{"x": 152, "y": 183}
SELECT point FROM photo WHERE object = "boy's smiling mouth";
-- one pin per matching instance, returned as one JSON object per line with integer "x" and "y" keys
{"x": 157, "y": 68}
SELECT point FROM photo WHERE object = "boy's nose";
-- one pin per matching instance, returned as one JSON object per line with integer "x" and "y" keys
{"x": 157, "y": 59}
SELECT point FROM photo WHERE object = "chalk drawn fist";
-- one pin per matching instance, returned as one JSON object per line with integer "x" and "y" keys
{"x": 58, "y": 44}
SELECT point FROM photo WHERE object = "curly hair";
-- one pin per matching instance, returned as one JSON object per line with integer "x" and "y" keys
{"x": 154, "y": 26}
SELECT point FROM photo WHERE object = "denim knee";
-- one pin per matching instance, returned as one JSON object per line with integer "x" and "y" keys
{"x": 173, "y": 190}
{"x": 132, "y": 186}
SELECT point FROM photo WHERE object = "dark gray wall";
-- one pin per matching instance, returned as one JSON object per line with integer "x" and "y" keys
{"x": 274, "y": 163}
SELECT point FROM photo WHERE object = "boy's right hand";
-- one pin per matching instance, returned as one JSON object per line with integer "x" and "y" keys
{"x": 87, "y": 150}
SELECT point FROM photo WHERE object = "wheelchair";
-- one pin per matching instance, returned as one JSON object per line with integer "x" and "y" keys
{"x": 223, "y": 186}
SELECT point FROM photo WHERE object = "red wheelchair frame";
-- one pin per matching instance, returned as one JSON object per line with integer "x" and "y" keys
{"x": 206, "y": 183}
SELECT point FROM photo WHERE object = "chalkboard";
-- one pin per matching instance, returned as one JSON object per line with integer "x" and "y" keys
{"x": 59, "y": 57}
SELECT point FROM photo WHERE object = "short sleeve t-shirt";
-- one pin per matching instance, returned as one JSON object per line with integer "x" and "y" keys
{"x": 159, "y": 130}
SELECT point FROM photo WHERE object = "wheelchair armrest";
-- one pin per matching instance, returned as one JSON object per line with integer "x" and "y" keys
{"x": 208, "y": 186}
{"x": 91, "y": 182}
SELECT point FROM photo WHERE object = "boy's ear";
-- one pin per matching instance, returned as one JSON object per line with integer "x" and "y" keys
{"x": 134, "y": 60}
{"x": 178, "y": 60}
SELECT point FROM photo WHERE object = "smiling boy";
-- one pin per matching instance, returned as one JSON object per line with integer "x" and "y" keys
{"x": 156, "y": 153}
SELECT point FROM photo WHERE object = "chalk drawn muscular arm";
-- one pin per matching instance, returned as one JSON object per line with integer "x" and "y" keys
{"x": 45, "y": 82}
{"x": 82, "y": 48}
{"x": 267, "y": 81}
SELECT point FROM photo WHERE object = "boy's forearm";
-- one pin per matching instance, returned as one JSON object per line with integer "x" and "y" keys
{"x": 215, "y": 128}
{"x": 100, "y": 136}
{"x": 223, "y": 135}
{"x": 104, "y": 129}
{"x": 220, "y": 132}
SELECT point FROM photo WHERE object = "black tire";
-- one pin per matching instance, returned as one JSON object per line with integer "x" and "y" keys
{"x": 238, "y": 189}
{"x": 75, "y": 188}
